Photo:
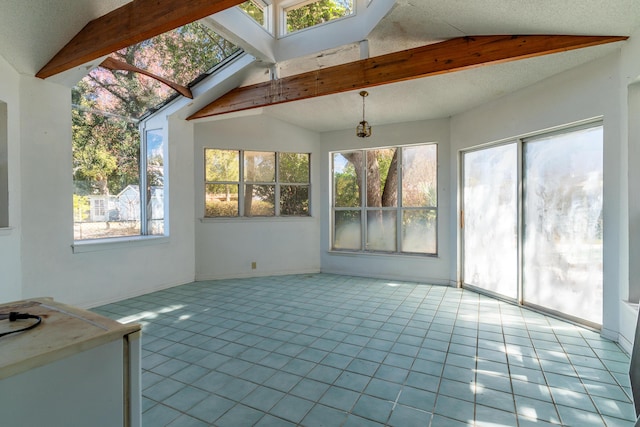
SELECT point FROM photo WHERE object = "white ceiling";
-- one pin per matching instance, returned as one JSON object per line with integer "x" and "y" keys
{"x": 414, "y": 23}
{"x": 32, "y": 31}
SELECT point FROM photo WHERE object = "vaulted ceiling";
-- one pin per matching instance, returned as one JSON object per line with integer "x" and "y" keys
{"x": 32, "y": 32}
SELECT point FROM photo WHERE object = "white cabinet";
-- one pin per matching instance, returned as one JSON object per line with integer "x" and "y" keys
{"x": 75, "y": 369}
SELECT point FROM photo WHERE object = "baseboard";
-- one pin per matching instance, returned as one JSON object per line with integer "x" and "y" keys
{"x": 135, "y": 294}
{"x": 426, "y": 281}
{"x": 202, "y": 278}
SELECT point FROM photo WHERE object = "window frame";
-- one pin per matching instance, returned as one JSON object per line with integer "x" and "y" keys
{"x": 242, "y": 183}
{"x": 144, "y": 210}
{"x": 399, "y": 209}
{"x": 146, "y": 199}
{"x": 288, "y": 5}
{"x": 267, "y": 14}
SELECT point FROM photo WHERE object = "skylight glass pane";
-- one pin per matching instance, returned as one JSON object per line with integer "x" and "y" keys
{"x": 314, "y": 13}
{"x": 108, "y": 105}
{"x": 254, "y": 10}
{"x": 181, "y": 56}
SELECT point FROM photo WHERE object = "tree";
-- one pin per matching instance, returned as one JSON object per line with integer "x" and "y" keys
{"x": 381, "y": 174}
{"x": 94, "y": 157}
{"x": 221, "y": 166}
{"x": 107, "y": 104}
{"x": 253, "y": 10}
{"x": 316, "y": 13}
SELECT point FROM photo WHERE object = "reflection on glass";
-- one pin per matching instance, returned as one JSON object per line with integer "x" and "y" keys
{"x": 346, "y": 185}
{"x": 294, "y": 200}
{"x": 419, "y": 231}
{"x": 259, "y": 200}
{"x": 155, "y": 182}
{"x": 347, "y": 230}
{"x": 381, "y": 230}
{"x": 221, "y": 200}
{"x": 222, "y": 165}
{"x": 382, "y": 177}
{"x": 491, "y": 219}
{"x": 259, "y": 166}
{"x": 294, "y": 167}
{"x": 563, "y": 223}
{"x": 419, "y": 176}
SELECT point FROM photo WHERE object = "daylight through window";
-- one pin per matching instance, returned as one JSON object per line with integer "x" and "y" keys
{"x": 257, "y": 10}
{"x": 385, "y": 200}
{"x": 256, "y": 183}
{"x": 119, "y": 167}
{"x": 311, "y": 13}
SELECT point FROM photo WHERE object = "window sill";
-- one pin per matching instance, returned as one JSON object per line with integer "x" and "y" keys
{"x": 5, "y": 231}
{"x": 237, "y": 219}
{"x": 116, "y": 243}
{"x": 382, "y": 254}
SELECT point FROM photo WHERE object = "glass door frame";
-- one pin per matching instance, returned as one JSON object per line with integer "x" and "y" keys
{"x": 519, "y": 221}
{"x": 521, "y": 190}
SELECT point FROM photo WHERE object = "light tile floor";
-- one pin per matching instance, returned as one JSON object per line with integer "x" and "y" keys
{"x": 329, "y": 350}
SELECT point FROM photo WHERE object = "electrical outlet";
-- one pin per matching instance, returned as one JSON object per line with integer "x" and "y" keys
{"x": 254, "y": 265}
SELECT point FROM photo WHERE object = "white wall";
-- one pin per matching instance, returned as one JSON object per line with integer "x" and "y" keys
{"x": 227, "y": 247}
{"x": 585, "y": 92}
{"x": 428, "y": 269}
{"x": 36, "y": 257}
{"x": 630, "y": 129}
{"x": 10, "y": 270}
{"x": 108, "y": 273}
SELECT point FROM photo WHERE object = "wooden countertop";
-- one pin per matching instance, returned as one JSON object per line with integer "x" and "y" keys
{"x": 65, "y": 330}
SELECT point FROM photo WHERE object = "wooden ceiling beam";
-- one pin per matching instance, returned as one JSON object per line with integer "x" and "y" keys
{"x": 439, "y": 58}
{"x": 130, "y": 24}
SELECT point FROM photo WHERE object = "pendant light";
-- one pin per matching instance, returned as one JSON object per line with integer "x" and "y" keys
{"x": 363, "y": 130}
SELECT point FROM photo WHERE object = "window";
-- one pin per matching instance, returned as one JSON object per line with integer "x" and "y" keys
{"x": 385, "y": 200}
{"x": 248, "y": 183}
{"x": 310, "y": 13}
{"x": 99, "y": 208}
{"x": 106, "y": 153}
{"x": 119, "y": 165}
{"x": 256, "y": 10}
{"x": 154, "y": 152}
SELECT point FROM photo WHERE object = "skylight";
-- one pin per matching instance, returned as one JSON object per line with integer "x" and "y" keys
{"x": 112, "y": 161}
{"x": 257, "y": 10}
{"x": 311, "y": 13}
{"x": 282, "y": 17}
{"x": 181, "y": 56}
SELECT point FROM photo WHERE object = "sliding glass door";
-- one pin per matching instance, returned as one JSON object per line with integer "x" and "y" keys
{"x": 563, "y": 223}
{"x": 490, "y": 220}
{"x": 551, "y": 208}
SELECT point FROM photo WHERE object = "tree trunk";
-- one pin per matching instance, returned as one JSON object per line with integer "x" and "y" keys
{"x": 390, "y": 192}
{"x": 248, "y": 199}
{"x": 374, "y": 197}
{"x": 249, "y": 173}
